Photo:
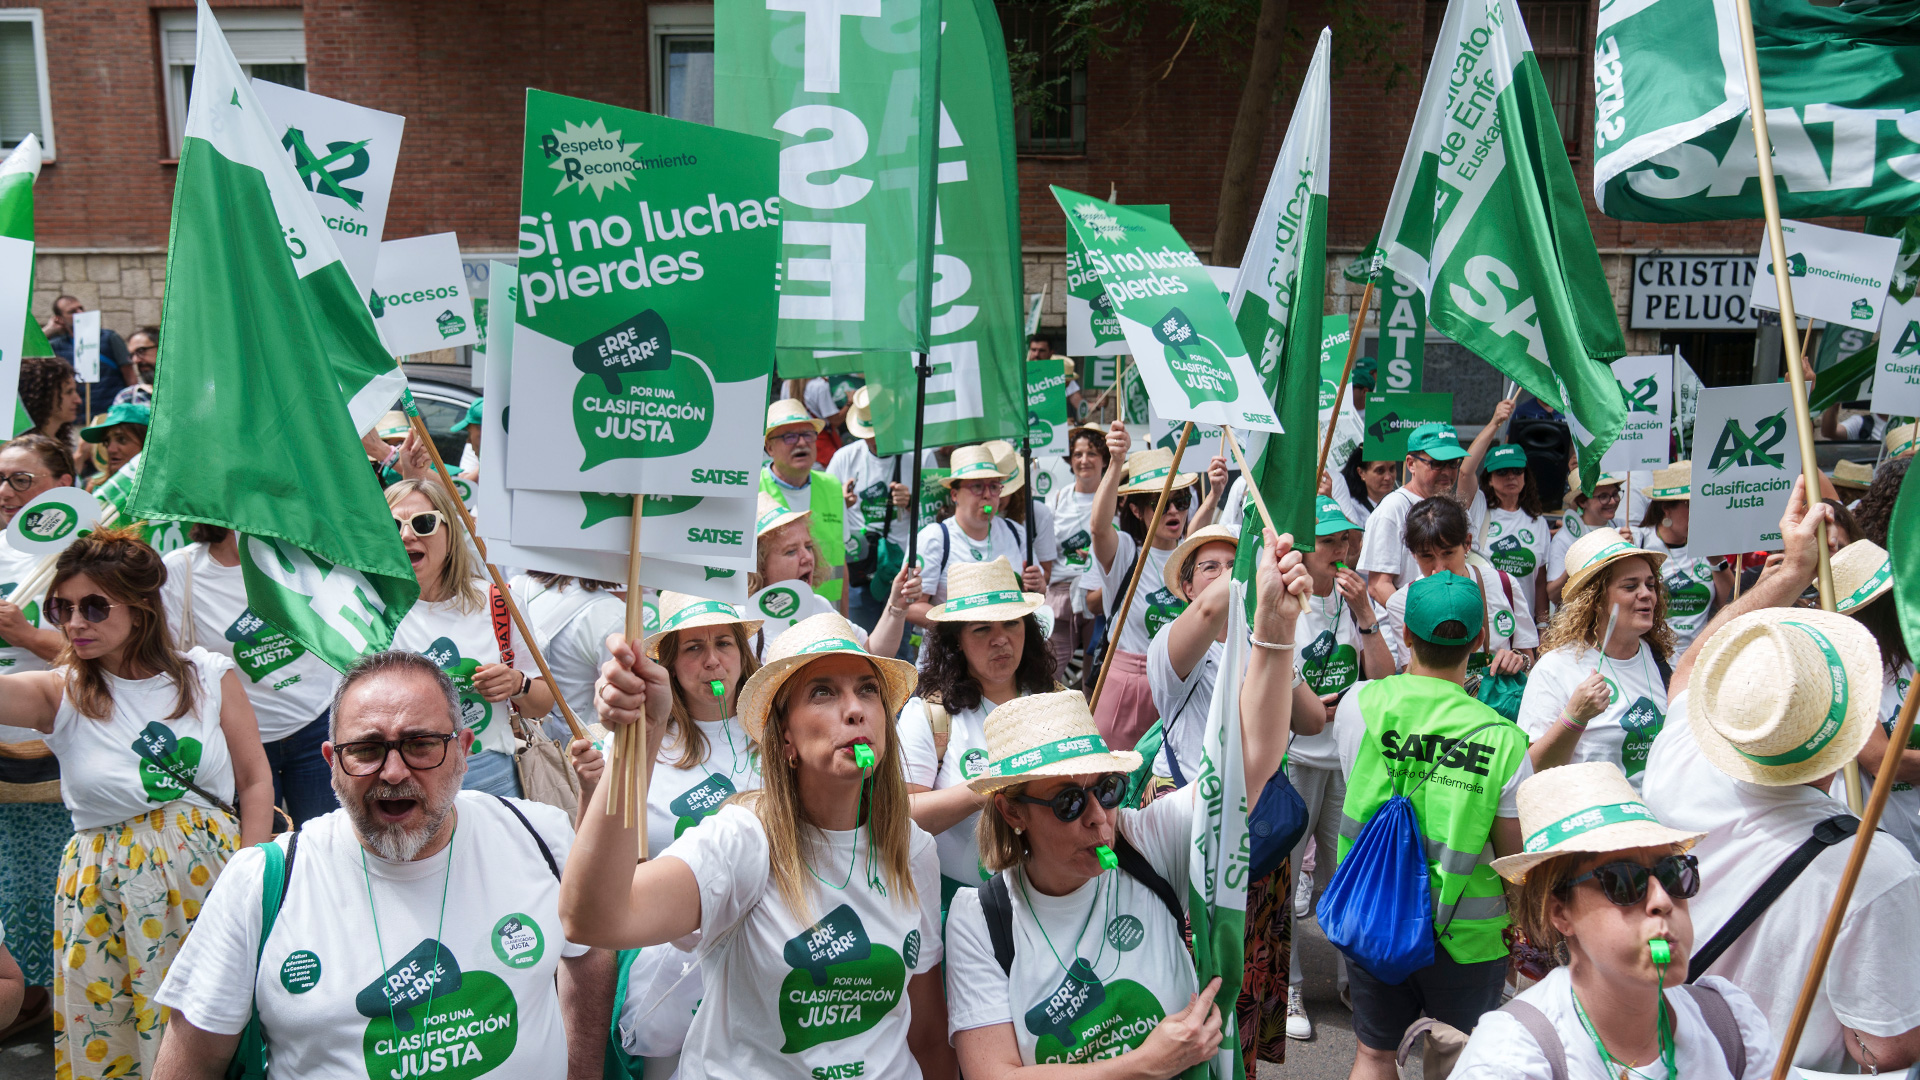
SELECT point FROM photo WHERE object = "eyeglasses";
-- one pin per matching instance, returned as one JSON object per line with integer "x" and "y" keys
{"x": 1440, "y": 466}
{"x": 794, "y": 438}
{"x": 370, "y": 756}
{"x": 985, "y": 488}
{"x": 22, "y": 480}
{"x": 1625, "y": 883}
{"x": 93, "y": 607}
{"x": 1070, "y": 802}
{"x": 144, "y": 349}
{"x": 425, "y": 523}
{"x": 1212, "y": 566}
{"x": 1605, "y": 496}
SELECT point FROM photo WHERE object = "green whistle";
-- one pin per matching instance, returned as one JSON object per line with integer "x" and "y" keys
{"x": 986, "y": 509}
{"x": 1108, "y": 860}
{"x": 719, "y": 688}
{"x": 863, "y": 755}
{"x": 1340, "y": 566}
{"x": 1662, "y": 952}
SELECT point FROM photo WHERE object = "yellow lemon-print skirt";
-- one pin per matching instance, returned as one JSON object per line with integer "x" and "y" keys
{"x": 128, "y": 894}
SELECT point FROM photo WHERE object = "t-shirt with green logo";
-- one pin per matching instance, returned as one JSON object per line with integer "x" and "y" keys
{"x": 1624, "y": 731}
{"x": 415, "y": 995}
{"x": 1072, "y": 513}
{"x": 134, "y": 760}
{"x": 1106, "y": 991}
{"x": 1329, "y": 660}
{"x": 965, "y": 760}
{"x": 463, "y": 642}
{"x": 1146, "y": 616}
{"x": 1902, "y": 817}
{"x": 1505, "y": 628}
{"x": 1517, "y": 543}
{"x": 288, "y": 686}
{"x": 822, "y": 993}
{"x": 1689, "y": 581}
{"x": 15, "y": 568}
{"x": 870, "y": 474}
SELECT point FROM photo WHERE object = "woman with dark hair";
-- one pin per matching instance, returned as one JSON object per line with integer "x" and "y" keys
{"x": 157, "y": 748}
{"x": 121, "y": 434}
{"x": 1875, "y": 511}
{"x": 1367, "y": 482}
{"x": 51, "y": 398}
{"x": 1439, "y": 537}
{"x": 1863, "y": 588}
{"x": 1514, "y": 536}
{"x": 1072, "y": 506}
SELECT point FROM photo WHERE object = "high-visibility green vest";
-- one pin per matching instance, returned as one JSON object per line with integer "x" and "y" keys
{"x": 1412, "y": 723}
{"x": 826, "y": 523}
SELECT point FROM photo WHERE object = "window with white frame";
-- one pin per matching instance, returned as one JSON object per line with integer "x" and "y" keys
{"x": 270, "y": 43}
{"x": 682, "y": 60}
{"x": 25, "y": 106}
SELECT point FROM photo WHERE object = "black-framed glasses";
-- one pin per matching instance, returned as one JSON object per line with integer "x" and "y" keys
{"x": 93, "y": 607}
{"x": 1625, "y": 883}
{"x": 1070, "y": 802}
{"x": 22, "y": 480}
{"x": 369, "y": 756}
{"x": 425, "y": 523}
{"x": 794, "y": 438}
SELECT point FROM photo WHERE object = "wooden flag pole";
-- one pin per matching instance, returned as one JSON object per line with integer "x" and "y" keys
{"x": 1856, "y": 860}
{"x": 1789, "y": 338}
{"x": 1346, "y": 374}
{"x": 1253, "y": 489}
{"x": 1119, "y": 622}
{"x": 1739, "y": 571}
{"x": 629, "y": 767}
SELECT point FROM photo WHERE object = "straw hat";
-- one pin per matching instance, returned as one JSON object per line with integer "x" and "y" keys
{"x": 804, "y": 642}
{"x": 787, "y": 412}
{"x": 1573, "y": 486}
{"x": 1171, "y": 570}
{"x": 393, "y": 426}
{"x": 1072, "y": 371}
{"x": 679, "y": 611}
{"x": 1671, "y": 484}
{"x": 985, "y": 592}
{"x": 1596, "y": 549}
{"x": 1147, "y": 472}
{"x": 1851, "y": 474}
{"x": 771, "y": 514}
{"x": 1584, "y": 808}
{"x": 1042, "y": 735}
{"x": 1786, "y": 695}
{"x": 860, "y": 414}
{"x": 1900, "y": 440}
{"x": 1006, "y": 459}
{"x": 1862, "y": 573}
{"x": 973, "y": 463}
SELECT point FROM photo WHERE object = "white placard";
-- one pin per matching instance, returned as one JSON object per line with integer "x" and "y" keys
{"x": 16, "y": 278}
{"x": 1837, "y": 275}
{"x": 345, "y": 154}
{"x": 1647, "y": 384}
{"x": 52, "y": 520}
{"x": 86, "y": 346}
{"x": 779, "y": 604}
{"x": 1896, "y": 379}
{"x": 1202, "y": 445}
{"x": 707, "y": 529}
{"x": 419, "y": 298}
{"x": 1745, "y": 460}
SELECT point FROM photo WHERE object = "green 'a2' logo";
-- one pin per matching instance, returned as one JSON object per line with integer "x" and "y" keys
{"x": 1640, "y": 397}
{"x": 1736, "y": 447}
{"x": 313, "y": 168}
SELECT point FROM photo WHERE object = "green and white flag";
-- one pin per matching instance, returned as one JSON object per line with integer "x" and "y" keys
{"x": 1218, "y": 866}
{"x": 1486, "y": 220}
{"x": 979, "y": 344}
{"x": 843, "y": 89}
{"x": 17, "y": 174}
{"x": 1672, "y": 136}
{"x": 1277, "y": 301}
{"x": 16, "y": 277}
{"x": 163, "y": 536}
{"x": 270, "y": 347}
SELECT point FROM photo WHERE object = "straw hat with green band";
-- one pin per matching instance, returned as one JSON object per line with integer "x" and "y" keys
{"x": 804, "y": 642}
{"x": 1171, "y": 570}
{"x": 860, "y": 414}
{"x": 1007, "y": 460}
{"x": 770, "y": 514}
{"x": 1862, "y": 573}
{"x": 1588, "y": 808}
{"x": 1587, "y": 555}
{"x": 1438, "y": 441}
{"x": 678, "y": 611}
{"x": 1675, "y": 482}
{"x": 1505, "y": 456}
{"x": 1147, "y": 472}
{"x": 126, "y": 412}
{"x": 1442, "y": 598}
{"x": 1785, "y": 696}
{"x": 1042, "y": 735}
{"x": 985, "y": 592}
{"x": 972, "y": 463}
{"x": 1851, "y": 474}
{"x": 392, "y": 426}
{"x": 1901, "y": 440}
{"x": 1328, "y": 518}
{"x": 1574, "y": 492}
{"x": 789, "y": 413}
{"x": 472, "y": 417}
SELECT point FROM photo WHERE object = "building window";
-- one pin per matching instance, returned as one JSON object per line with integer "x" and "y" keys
{"x": 1050, "y": 110}
{"x": 682, "y": 55}
{"x": 24, "y": 104}
{"x": 1562, "y": 41}
{"x": 270, "y": 45}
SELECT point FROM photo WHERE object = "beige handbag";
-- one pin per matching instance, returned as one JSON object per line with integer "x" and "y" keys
{"x": 545, "y": 774}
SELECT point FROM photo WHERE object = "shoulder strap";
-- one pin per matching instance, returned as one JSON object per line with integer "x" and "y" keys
{"x": 946, "y": 547}
{"x": 538, "y": 840}
{"x": 1136, "y": 866}
{"x": 145, "y": 753}
{"x": 274, "y": 878}
{"x": 1542, "y": 1031}
{"x": 1826, "y": 834}
{"x": 1661, "y": 665}
{"x": 941, "y": 721}
{"x": 1726, "y": 1030}
{"x": 997, "y": 906}
{"x": 502, "y": 624}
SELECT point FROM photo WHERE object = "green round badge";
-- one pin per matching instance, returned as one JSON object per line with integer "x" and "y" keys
{"x": 301, "y": 972}
{"x": 973, "y": 763}
{"x": 780, "y": 603}
{"x": 1125, "y": 932}
{"x": 517, "y": 941}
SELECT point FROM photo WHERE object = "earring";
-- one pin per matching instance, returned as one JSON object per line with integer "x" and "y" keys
{"x": 1018, "y": 831}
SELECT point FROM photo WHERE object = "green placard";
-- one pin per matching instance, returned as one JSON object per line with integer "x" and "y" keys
{"x": 1402, "y": 349}
{"x": 1047, "y": 406}
{"x": 1092, "y": 329}
{"x": 1334, "y": 336}
{"x": 1390, "y": 419}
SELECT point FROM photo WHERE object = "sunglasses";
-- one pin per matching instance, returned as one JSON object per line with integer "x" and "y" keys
{"x": 425, "y": 523}
{"x": 1625, "y": 883}
{"x": 1070, "y": 802}
{"x": 93, "y": 607}
{"x": 369, "y": 756}
{"x": 1442, "y": 466}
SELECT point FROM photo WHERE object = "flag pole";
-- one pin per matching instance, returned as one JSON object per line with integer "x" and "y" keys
{"x": 1346, "y": 374}
{"x": 1026, "y": 464}
{"x": 1253, "y": 489}
{"x": 1856, "y": 860}
{"x": 1119, "y": 622}
{"x": 630, "y": 765}
{"x": 1789, "y": 338}
{"x": 920, "y": 372}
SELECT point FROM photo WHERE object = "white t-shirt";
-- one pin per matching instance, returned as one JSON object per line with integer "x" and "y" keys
{"x": 1046, "y": 539}
{"x": 1182, "y": 704}
{"x": 1505, "y": 630}
{"x": 1154, "y": 605}
{"x": 571, "y": 625}
{"x": 1355, "y": 510}
{"x": 965, "y": 759}
{"x": 1329, "y": 658}
{"x": 871, "y": 476}
{"x": 1517, "y": 543}
{"x": 1901, "y": 818}
{"x": 1571, "y": 528}
{"x": 461, "y": 643}
{"x": 1500, "y": 1049}
{"x": 1350, "y": 734}
{"x": 336, "y": 974}
{"x": 819, "y": 398}
{"x": 1129, "y": 944}
{"x": 14, "y": 569}
{"x": 1072, "y": 512}
{"x": 1624, "y": 732}
{"x": 105, "y": 781}
{"x": 786, "y": 996}
{"x": 1004, "y": 540}
{"x": 1384, "y": 548}
{"x": 1872, "y": 982}
{"x": 1689, "y": 587}
{"x": 288, "y": 686}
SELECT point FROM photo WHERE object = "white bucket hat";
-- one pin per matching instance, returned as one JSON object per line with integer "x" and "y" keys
{"x": 1586, "y": 808}
{"x": 679, "y": 611}
{"x": 804, "y": 642}
{"x": 1042, "y": 735}
{"x": 1593, "y": 551}
{"x": 1862, "y": 573}
{"x": 985, "y": 592}
{"x": 1785, "y": 696}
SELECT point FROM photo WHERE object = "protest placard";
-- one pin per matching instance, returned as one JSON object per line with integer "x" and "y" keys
{"x": 1390, "y": 419}
{"x": 1092, "y": 329}
{"x": 1047, "y": 407}
{"x": 86, "y": 346}
{"x": 16, "y": 281}
{"x": 1745, "y": 460}
{"x": 701, "y": 528}
{"x": 1837, "y": 275}
{"x": 345, "y": 154}
{"x": 419, "y": 297}
{"x": 1896, "y": 380}
{"x": 1335, "y": 335}
{"x": 1646, "y": 384}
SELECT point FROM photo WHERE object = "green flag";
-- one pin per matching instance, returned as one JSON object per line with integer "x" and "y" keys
{"x": 17, "y": 174}
{"x": 270, "y": 348}
{"x": 162, "y": 536}
{"x": 1218, "y": 864}
{"x": 1906, "y": 560}
{"x": 1277, "y": 301}
{"x": 1486, "y": 220}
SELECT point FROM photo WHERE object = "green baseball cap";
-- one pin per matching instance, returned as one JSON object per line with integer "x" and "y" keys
{"x": 1437, "y": 441}
{"x": 1329, "y": 518}
{"x": 124, "y": 413}
{"x": 1442, "y": 598}
{"x": 1365, "y": 371}
{"x": 472, "y": 417}
{"x": 1505, "y": 456}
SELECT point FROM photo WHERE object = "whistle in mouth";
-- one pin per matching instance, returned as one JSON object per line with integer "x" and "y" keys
{"x": 719, "y": 688}
{"x": 863, "y": 755}
{"x": 1662, "y": 952}
{"x": 1108, "y": 860}
{"x": 986, "y": 509}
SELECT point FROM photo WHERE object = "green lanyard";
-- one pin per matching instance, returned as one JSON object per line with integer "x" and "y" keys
{"x": 1079, "y": 970}
{"x": 1666, "y": 1042}
{"x": 439, "y": 928}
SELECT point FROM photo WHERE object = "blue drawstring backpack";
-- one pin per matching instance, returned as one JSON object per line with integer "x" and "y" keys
{"x": 1378, "y": 908}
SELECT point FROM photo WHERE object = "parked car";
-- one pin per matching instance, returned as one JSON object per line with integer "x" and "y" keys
{"x": 442, "y": 403}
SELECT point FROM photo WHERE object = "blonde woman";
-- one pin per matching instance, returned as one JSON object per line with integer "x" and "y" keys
{"x": 453, "y": 625}
{"x": 816, "y": 898}
{"x": 785, "y": 551}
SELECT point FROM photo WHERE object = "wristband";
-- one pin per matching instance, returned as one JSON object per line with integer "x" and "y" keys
{"x": 1276, "y": 647}
{"x": 393, "y": 455}
{"x": 526, "y": 684}
{"x": 1579, "y": 728}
